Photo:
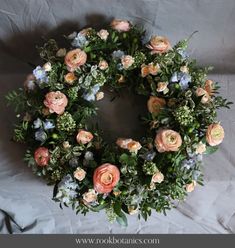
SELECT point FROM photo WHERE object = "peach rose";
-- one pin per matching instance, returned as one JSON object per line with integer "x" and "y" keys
{"x": 168, "y": 140}
{"x": 121, "y": 79}
{"x": 205, "y": 96}
{"x": 42, "y": 156}
{"x": 103, "y": 34}
{"x": 158, "y": 177}
{"x": 162, "y": 86}
{"x": 209, "y": 87}
{"x": 105, "y": 178}
{"x": 155, "y": 104}
{"x": 134, "y": 146}
{"x": 159, "y": 44}
{"x": 191, "y": 186}
{"x": 90, "y": 196}
{"x": 127, "y": 61}
{"x": 74, "y": 59}
{"x": 214, "y": 134}
{"x": 184, "y": 69}
{"x": 149, "y": 69}
{"x": 132, "y": 210}
{"x": 70, "y": 78}
{"x": 121, "y": 142}
{"x": 120, "y": 25}
{"x": 79, "y": 174}
{"x": 56, "y": 102}
{"x": 84, "y": 137}
{"x": 85, "y": 31}
{"x": 201, "y": 148}
{"x": 103, "y": 65}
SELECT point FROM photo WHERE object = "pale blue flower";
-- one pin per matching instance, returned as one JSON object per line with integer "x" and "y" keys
{"x": 37, "y": 123}
{"x": 90, "y": 96}
{"x": 89, "y": 156}
{"x": 118, "y": 54}
{"x": 73, "y": 162}
{"x": 183, "y": 53}
{"x": 40, "y": 135}
{"x": 47, "y": 124}
{"x": 183, "y": 78}
{"x": 80, "y": 41}
{"x": 39, "y": 73}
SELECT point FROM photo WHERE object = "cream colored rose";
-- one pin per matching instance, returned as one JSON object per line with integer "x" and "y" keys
{"x": 162, "y": 87}
{"x": 159, "y": 44}
{"x": 61, "y": 52}
{"x": 120, "y": 25}
{"x": 85, "y": 31}
{"x": 209, "y": 87}
{"x": 79, "y": 174}
{"x": 184, "y": 69}
{"x": 66, "y": 145}
{"x": 127, "y": 61}
{"x": 214, "y": 134}
{"x": 103, "y": 34}
{"x": 158, "y": 177}
{"x": 70, "y": 78}
{"x": 201, "y": 148}
{"x": 168, "y": 140}
{"x": 99, "y": 96}
{"x": 205, "y": 96}
{"x": 84, "y": 137}
{"x": 47, "y": 66}
{"x": 74, "y": 59}
{"x": 132, "y": 210}
{"x": 103, "y": 65}
{"x": 90, "y": 196}
{"x": 191, "y": 186}
{"x": 155, "y": 104}
{"x": 134, "y": 146}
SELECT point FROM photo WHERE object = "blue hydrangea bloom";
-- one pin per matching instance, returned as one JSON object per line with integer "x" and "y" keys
{"x": 39, "y": 73}
{"x": 80, "y": 41}
{"x": 40, "y": 135}
{"x": 90, "y": 96}
{"x": 190, "y": 162}
{"x": 183, "y": 78}
{"x": 117, "y": 54}
{"x": 47, "y": 124}
{"x": 37, "y": 123}
{"x": 183, "y": 53}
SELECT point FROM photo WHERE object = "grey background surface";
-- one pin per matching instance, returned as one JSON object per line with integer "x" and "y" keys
{"x": 24, "y": 24}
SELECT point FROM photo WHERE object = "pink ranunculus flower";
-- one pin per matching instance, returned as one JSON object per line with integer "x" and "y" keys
{"x": 168, "y": 140}
{"x": 159, "y": 44}
{"x": 84, "y": 137}
{"x": 105, "y": 178}
{"x": 214, "y": 134}
{"x": 42, "y": 156}
{"x": 158, "y": 177}
{"x": 155, "y": 104}
{"x": 74, "y": 59}
{"x": 56, "y": 102}
{"x": 120, "y": 25}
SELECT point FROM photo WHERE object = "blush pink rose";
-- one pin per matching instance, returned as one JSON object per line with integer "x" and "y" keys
{"x": 56, "y": 102}
{"x": 105, "y": 178}
{"x": 159, "y": 44}
{"x": 155, "y": 104}
{"x": 84, "y": 137}
{"x": 42, "y": 156}
{"x": 127, "y": 61}
{"x": 168, "y": 140}
{"x": 120, "y": 25}
{"x": 214, "y": 134}
{"x": 74, "y": 59}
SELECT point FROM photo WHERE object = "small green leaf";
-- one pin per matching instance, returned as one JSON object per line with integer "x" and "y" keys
{"x": 211, "y": 149}
{"x": 122, "y": 220}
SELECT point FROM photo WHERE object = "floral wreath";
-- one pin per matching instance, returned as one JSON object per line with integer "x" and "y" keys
{"x": 57, "y": 101}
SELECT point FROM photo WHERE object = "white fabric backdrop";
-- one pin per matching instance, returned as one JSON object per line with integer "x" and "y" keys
{"x": 26, "y": 200}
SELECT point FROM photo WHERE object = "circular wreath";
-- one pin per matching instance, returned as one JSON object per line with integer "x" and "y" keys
{"x": 57, "y": 103}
